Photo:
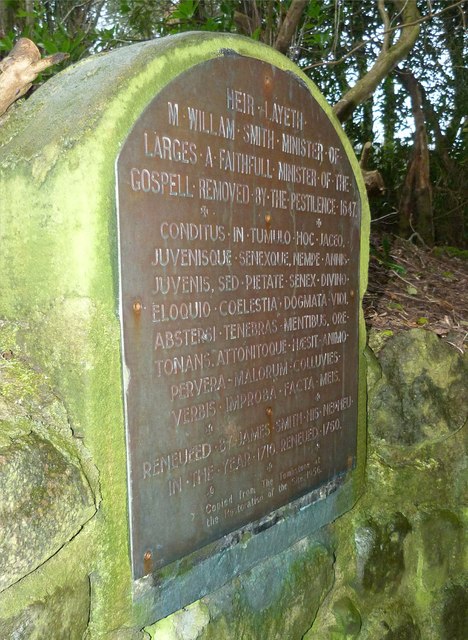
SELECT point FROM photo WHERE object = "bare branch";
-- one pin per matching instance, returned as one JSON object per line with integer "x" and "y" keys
{"x": 365, "y": 155}
{"x": 20, "y": 68}
{"x": 332, "y": 63}
{"x": 385, "y": 62}
{"x": 243, "y": 22}
{"x": 426, "y": 18}
{"x": 386, "y": 22}
{"x": 373, "y": 180}
{"x": 80, "y": 5}
{"x": 289, "y": 25}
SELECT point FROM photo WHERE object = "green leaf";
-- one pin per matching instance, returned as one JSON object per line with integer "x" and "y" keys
{"x": 185, "y": 10}
{"x": 396, "y": 306}
{"x": 313, "y": 10}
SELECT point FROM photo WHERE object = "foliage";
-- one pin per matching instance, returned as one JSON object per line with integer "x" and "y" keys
{"x": 383, "y": 256}
{"x": 64, "y": 25}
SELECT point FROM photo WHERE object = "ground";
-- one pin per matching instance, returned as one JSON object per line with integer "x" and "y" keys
{"x": 412, "y": 287}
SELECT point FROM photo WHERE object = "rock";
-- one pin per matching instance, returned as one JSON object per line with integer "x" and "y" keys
{"x": 63, "y": 615}
{"x": 442, "y": 535}
{"x": 455, "y": 612}
{"x": 186, "y": 624}
{"x": 422, "y": 393}
{"x": 347, "y": 617}
{"x": 380, "y": 553}
{"x": 45, "y": 502}
{"x": 406, "y": 631}
{"x": 45, "y": 496}
{"x": 126, "y": 634}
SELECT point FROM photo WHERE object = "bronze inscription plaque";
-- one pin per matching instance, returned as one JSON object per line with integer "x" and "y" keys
{"x": 239, "y": 252}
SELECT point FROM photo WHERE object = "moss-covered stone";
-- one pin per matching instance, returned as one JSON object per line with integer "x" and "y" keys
{"x": 455, "y": 611}
{"x": 405, "y": 631}
{"x": 422, "y": 394}
{"x": 374, "y": 371}
{"x": 435, "y": 526}
{"x": 125, "y": 633}
{"x": 400, "y": 556}
{"x": 348, "y": 618}
{"x": 45, "y": 502}
{"x": 380, "y": 558}
{"x": 187, "y": 624}
{"x": 45, "y": 495}
{"x": 60, "y": 615}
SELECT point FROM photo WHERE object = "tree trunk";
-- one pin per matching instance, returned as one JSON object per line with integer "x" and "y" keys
{"x": 416, "y": 198}
{"x": 389, "y": 115}
{"x": 7, "y": 18}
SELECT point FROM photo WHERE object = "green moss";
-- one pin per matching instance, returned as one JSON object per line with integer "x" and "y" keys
{"x": 347, "y": 617}
{"x": 58, "y": 615}
{"x": 377, "y": 339}
{"x": 455, "y": 612}
{"x": 380, "y": 558}
{"x": 277, "y": 599}
{"x": 452, "y": 252}
{"x": 421, "y": 394}
{"x": 188, "y": 624}
{"x": 406, "y": 631}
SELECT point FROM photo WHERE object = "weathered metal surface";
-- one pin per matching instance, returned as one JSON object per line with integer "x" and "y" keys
{"x": 239, "y": 252}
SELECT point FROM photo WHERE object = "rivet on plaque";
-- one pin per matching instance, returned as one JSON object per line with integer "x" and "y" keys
{"x": 148, "y": 562}
{"x": 137, "y": 307}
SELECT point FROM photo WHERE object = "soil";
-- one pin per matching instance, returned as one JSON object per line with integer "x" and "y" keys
{"x": 412, "y": 287}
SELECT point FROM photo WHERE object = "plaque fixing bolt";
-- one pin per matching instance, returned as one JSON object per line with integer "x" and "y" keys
{"x": 268, "y": 220}
{"x": 269, "y": 412}
{"x": 267, "y": 82}
{"x": 137, "y": 307}
{"x": 147, "y": 562}
{"x": 351, "y": 293}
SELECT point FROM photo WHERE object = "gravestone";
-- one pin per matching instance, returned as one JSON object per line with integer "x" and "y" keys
{"x": 185, "y": 265}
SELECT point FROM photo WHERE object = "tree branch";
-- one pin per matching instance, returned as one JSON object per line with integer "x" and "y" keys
{"x": 426, "y": 18}
{"x": 373, "y": 180}
{"x": 20, "y": 68}
{"x": 289, "y": 25}
{"x": 386, "y": 22}
{"x": 385, "y": 62}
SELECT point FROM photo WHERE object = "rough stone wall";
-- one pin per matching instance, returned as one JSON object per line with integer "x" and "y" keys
{"x": 394, "y": 567}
